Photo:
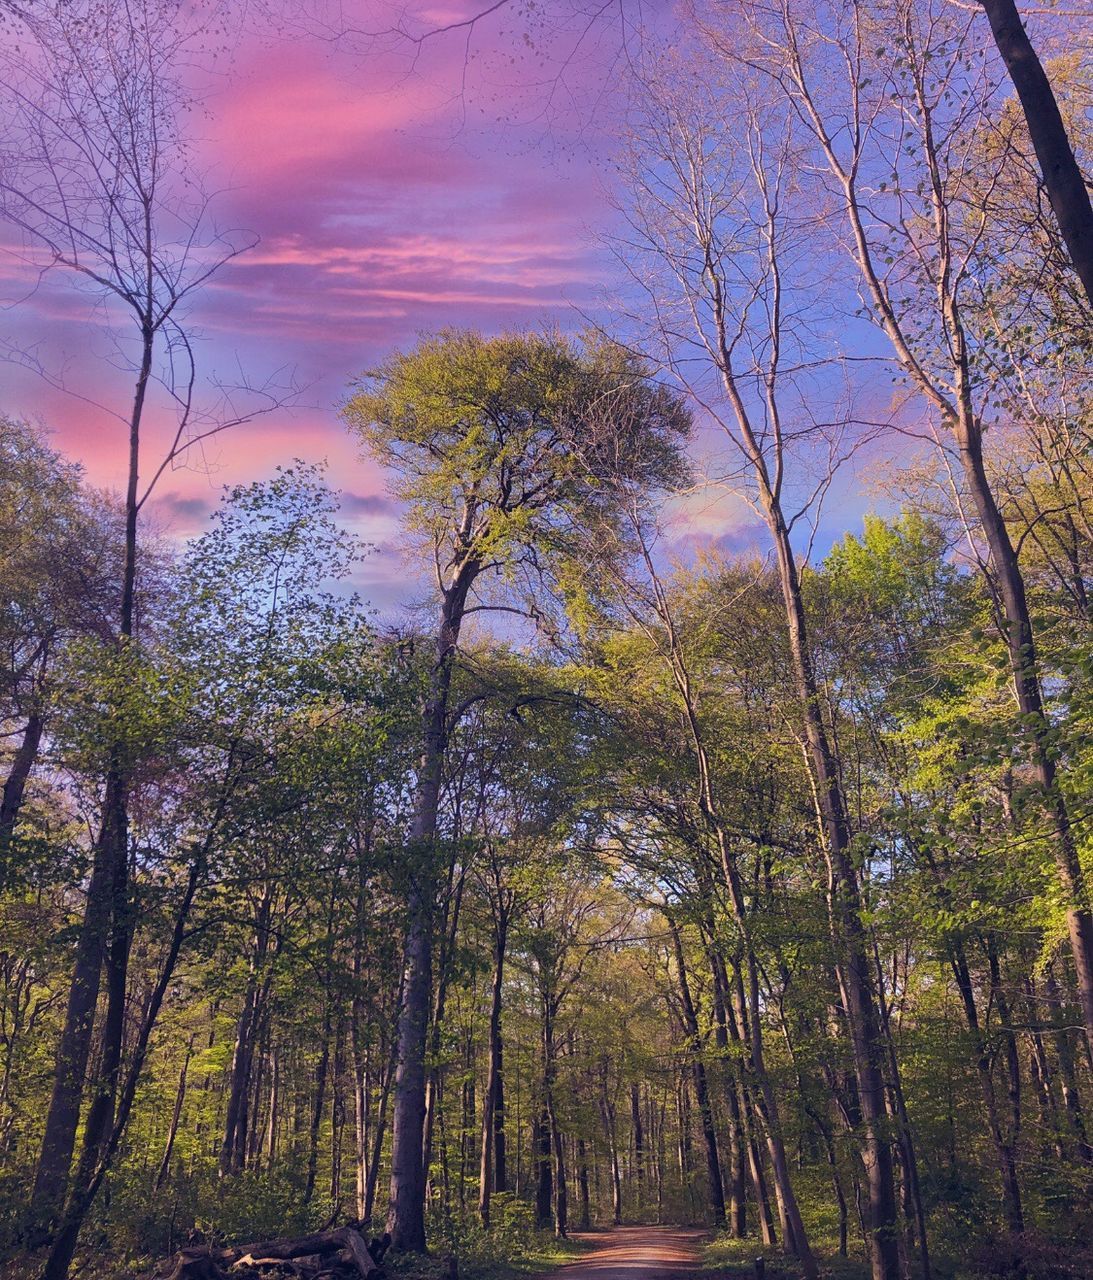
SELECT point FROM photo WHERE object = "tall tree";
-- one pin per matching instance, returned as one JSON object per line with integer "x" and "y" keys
{"x": 95, "y": 174}
{"x": 490, "y": 444}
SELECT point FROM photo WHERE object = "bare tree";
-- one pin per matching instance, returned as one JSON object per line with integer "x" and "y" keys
{"x": 717, "y": 248}
{"x": 97, "y": 176}
{"x": 898, "y": 127}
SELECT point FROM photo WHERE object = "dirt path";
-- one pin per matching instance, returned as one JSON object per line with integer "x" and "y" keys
{"x": 636, "y": 1253}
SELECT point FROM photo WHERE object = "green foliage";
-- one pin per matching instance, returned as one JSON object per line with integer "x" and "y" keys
{"x": 514, "y": 455}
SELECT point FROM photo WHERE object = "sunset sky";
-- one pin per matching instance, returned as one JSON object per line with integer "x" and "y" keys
{"x": 394, "y": 189}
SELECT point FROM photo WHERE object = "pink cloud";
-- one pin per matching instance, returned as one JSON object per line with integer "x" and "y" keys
{"x": 387, "y": 203}
{"x": 391, "y": 197}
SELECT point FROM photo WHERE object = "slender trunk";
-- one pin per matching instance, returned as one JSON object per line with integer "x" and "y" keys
{"x": 256, "y": 1132}
{"x": 1004, "y": 1152}
{"x": 1066, "y": 187}
{"x": 358, "y": 1015}
{"x": 915, "y": 1210}
{"x": 755, "y": 1169}
{"x": 233, "y": 1149}
{"x": 361, "y": 1117}
{"x": 321, "y": 1074}
{"x": 104, "y": 933}
{"x": 115, "y": 835}
{"x": 795, "y": 1237}
{"x": 955, "y": 403}
{"x": 848, "y": 931}
{"x": 85, "y": 1190}
{"x": 432, "y": 1083}
{"x": 377, "y": 1141}
{"x": 273, "y": 1120}
{"x": 584, "y": 1221}
{"x": 318, "y": 1106}
{"x": 765, "y": 1102}
{"x": 544, "y": 1181}
{"x": 607, "y": 1108}
{"x": 1021, "y": 646}
{"x": 683, "y": 1142}
{"x": 551, "y": 1143}
{"x": 729, "y": 1071}
{"x": 561, "y": 1180}
{"x": 176, "y": 1115}
{"x": 337, "y": 1119}
{"x": 11, "y": 801}
{"x": 698, "y": 1067}
{"x": 487, "y": 1166}
{"x": 637, "y": 1138}
{"x": 1068, "y": 1076}
{"x": 70, "y": 1067}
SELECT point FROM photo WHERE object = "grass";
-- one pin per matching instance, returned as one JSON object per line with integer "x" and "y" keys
{"x": 735, "y": 1259}
{"x": 539, "y": 1253}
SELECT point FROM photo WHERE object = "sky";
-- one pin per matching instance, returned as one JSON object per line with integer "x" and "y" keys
{"x": 392, "y": 188}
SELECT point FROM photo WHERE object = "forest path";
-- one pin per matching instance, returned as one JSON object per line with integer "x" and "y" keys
{"x": 636, "y": 1253}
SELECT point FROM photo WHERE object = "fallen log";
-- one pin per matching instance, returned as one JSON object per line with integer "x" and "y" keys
{"x": 338, "y": 1252}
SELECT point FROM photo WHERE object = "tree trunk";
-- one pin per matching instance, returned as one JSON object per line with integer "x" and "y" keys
{"x": 737, "y": 1205}
{"x": 318, "y": 1106}
{"x": 99, "y": 1149}
{"x": 176, "y": 1115}
{"x": 698, "y": 1067}
{"x": 1004, "y": 1152}
{"x": 492, "y": 1100}
{"x": 1068, "y": 1076}
{"x": 70, "y": 1067}
{"x": 1066, "y": 188}
{"x": 544, "y": 1180}
{"x": 377, "y": 1141}
{"x": 849, "y": 934}
{"x": 1021, "y": 646}
{"x": 611, "y": 1129}
{"x": 233, "y": 1149}
{"x": 273, "y": 1120}
{"x": 584, "y": 1222}
{"x": 795, "y": 1237}
{"x": 406, "y": 1200}
{"x": 11, "y": 801}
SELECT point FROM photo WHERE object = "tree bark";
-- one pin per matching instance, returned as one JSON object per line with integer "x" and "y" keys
{"x": 1066, "y": 187}
{"x": 11, "y": 801}
{"x": 607, "y": 1108}
{"x": 406, "y": 1200}
{"x": 176, "y": 1115}
{"x": 233, "y": 1148}
{"x": 1024, "y": 664}
{"x": 584, "y": 1221}
{"x": 493, "y": 1099}
{"x": 1004, "y": 1151}
{"x": 698, "y": 1067}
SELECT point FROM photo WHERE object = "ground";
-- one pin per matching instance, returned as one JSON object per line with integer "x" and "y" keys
{"x": 636, "y": 1253}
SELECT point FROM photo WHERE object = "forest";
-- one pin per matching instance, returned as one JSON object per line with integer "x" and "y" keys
{"x": 618, "y": 877}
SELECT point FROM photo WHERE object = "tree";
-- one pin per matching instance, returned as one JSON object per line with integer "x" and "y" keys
{"x": 490, "y": 446}
{"x": 1066, "y": 187}
{"x": 917, "y": 272}
{"x": 716, "y": 222}
{"x": 95, "y": 174}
